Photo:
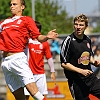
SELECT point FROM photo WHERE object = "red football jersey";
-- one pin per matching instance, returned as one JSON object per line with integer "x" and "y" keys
{"x": 36, "y": 52}
{"x": 15, "y": 32}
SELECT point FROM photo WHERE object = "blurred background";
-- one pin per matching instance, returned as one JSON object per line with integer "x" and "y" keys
{"x": 57, "y": 14}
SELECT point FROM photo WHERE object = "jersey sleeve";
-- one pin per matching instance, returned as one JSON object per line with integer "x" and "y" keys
{"x": 90, "y": 43}
{"x": 47, "y": 50}
{"x": 91, "y": 53}
{"x": 32, "y": 28}
{"x": 65, "y": 50}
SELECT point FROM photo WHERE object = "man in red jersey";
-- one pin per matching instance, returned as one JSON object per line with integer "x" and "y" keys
{"x": 36, "y": 53}
{"x": 14, "y": 33}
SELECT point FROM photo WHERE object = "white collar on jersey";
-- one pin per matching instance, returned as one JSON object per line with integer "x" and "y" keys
{"x": 15, "y": 17}
{"x": 35, "y": 41}
{"x": 10, "y": 20}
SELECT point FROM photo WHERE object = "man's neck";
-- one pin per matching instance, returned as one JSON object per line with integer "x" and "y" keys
{"x": 79, "y": 36}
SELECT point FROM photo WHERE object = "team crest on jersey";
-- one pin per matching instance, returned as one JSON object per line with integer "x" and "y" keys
{"x": 84, "y": 59}
{"x": 41, "y": 46}
{"x": 88, "y": 45}
{"x": 19, "y": 21}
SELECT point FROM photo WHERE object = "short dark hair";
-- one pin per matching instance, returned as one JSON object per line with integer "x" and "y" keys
{"x": 22, "y": 2}
{"x": 39, "y": 26}
{"x": 82, "y": 18}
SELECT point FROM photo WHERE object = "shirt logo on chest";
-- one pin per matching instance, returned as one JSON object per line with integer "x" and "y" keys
{"x": 84, "y": 59}
{"x": 19, "y": 21}
{"x": 73, "y": 39}
{"x": 37, "y": 50}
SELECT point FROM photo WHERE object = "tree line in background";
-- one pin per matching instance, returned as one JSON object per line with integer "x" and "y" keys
{"x": 48, "y": 12}
{"x": 97, "y": 28}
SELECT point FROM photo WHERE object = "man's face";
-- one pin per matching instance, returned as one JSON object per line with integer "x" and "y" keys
{"x": 79, "y": 27}
{"x": 16, "y": 7}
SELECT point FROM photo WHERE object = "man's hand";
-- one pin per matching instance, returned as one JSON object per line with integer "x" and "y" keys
{"x": 53, "y": 77}
{"x": 52, "y": 34}
{"x": 96, "y": 63}
{"x": 86, "y": 72}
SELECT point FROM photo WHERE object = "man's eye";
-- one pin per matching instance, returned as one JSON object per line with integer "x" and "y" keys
{"x": 13, "y": 4}
{"x": 75, "y": 24}
{"x": 81, "y": 25}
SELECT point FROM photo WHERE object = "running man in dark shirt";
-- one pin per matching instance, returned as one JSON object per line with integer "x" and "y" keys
{"x": 76, "y": 58}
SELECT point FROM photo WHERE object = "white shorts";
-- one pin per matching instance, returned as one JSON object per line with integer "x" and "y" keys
{"x": 16, "y": 70}
{"x": 40, "y": 81}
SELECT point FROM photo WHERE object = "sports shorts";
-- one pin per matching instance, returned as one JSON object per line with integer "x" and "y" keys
{"x": 90, "y": 85}
{"x": 16, "y": 70}
{"x": 40, "y": 80}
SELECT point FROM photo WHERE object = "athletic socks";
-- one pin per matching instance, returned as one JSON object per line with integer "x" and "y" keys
{"x": 39, "y": 96}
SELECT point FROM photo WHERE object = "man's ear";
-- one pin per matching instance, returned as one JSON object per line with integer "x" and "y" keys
{"x": 86, "y": 27}
{"x": 23, "y": 7}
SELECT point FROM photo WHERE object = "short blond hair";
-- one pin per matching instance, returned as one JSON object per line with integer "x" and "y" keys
{"x": 82, "y": 18}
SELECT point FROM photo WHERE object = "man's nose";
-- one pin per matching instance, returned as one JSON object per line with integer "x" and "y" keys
{"x": 78, "y": 26}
